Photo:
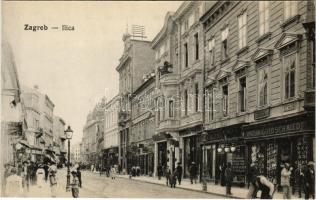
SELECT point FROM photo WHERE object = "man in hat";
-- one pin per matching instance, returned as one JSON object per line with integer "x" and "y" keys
{"x": 285, "y": 180}
{"x": 192, "y": 171}
{"x": 179, "y": 172}
{"x": 310, "y": 181}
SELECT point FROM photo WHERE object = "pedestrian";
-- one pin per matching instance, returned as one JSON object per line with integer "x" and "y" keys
{"x": 46, "y": 166}
{"x": 52, "y": 171}
{"x": 285, "y": 181}
{"x": 167, "y": 174}
{"x": 179, "y": 171}
{"x": 193, "y": 172}
{"x": 79, "y": 175}
{"x": 265, "y": 186}
{"x": 159, "y": 171}
{"x": 14, "y": 187}
{"x": 74, "y": 184}
{"x": 173, "y": 179}
{"x": 25, "y": 176}
{"x": 253, "y": 173}
{"x": 113, "y": 172}
{"x": 299, "y": 180}
{"x": 222, "y": 169}
{"x": 310, "y": 181}
{"x": 228, "y": 178}
{"x": 40, "y": 176}
{"x": 137, "y": 170}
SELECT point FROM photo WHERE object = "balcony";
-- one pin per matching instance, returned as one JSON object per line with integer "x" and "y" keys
{"x": 309, "y": 100}
{"x": 167, "y": 79}
{"x": 123, "y": 117}
{"x": 191, "y": 120}
{"x": 168, "y": 125}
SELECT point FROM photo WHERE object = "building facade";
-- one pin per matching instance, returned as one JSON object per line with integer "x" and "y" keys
{"x": 143, "y": 126}
{"x": 111, "y": 132}
{"x": 167, "y": 100}
{"x": 259, "y": 77}
{"x": 60, "y": 138}
{"x": 93, "y": 136}
{"x": 136, "y": 60}
{"x": 190, "y": 82}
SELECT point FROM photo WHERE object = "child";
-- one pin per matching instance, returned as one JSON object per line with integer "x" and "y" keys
{"x": 75, "y": 184}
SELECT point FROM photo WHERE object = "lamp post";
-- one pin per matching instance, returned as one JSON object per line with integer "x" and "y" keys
{"x": 68, "y": 134}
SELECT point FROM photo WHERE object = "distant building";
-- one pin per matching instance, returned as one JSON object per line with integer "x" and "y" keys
{"x": 111, "y": 134}
{"x": 75, "y": 154}
{"x": 60, "y": 138}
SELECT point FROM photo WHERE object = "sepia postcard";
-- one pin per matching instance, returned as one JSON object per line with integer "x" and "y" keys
{"x": 158, "y": 99}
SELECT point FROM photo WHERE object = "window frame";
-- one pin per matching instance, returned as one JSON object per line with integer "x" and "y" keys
{"x": 225, "y": 112}
{"x": 242, "y": 30}
{"x": 264, "y": 12}
{"x": 186, "y": 55}
{"x": 196, "y": 46}
{"x": 211, "y": 49}
{"x": 224, "y": 43}
{"x": 186, "y": 101}
{"x": 290, "y": 9}
{"x": 196, "y": 98}
{"x": 244, "y": 95}
{"x": 171, "y": 108}
{"x": 284, "y": 71}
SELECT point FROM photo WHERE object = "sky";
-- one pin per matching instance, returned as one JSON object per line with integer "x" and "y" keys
{"x": 76, "y": 68}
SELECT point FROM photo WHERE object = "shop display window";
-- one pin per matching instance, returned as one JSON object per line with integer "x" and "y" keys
{"x": 272, "y": 152}
{"x": 239, "y": 165}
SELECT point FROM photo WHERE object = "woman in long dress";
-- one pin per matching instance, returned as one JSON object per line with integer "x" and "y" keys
{"x": 40, "y": 176}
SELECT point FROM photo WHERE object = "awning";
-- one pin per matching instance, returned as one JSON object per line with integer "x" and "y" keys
{"x": 50, "y": 158}
{"x": 24, "y": 143}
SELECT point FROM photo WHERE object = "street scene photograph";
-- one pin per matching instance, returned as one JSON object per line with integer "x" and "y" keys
{"x": 158, "y": 99}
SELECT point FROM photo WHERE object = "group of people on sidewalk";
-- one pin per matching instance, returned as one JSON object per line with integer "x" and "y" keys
{"x": 304, "y": 180}
{"x": 19, "y": 177}
{"x": 172, "y": 176}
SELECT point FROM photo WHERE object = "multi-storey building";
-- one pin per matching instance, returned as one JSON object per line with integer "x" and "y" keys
{"x": 143, "y": 125}
{"x": 59, "y": 137}
{"x": 12, "y": 111}
{"x": 259, "y": 72}
{"x": 75, "y": 153}
{"x": 39, "y": 117}
{"x": 111, "y": 132}
{"x": 166, "y": 46}
{"x": 191, "y": 54}
{"x": 136, "y": 60}
{"x": 93, "y": 133}
{"x": 33, "y": 131}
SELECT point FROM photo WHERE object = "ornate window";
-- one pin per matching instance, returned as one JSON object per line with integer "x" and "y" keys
{"x": 263, "y": 86}
{"x": 242, "y": 94}
{"x": 289, "y": 65}
{"x": 196, "y": 40}
{"x": 242, "y": 30}
{"x": 211, "y": 48}
{"x": 225, "y": 33}
{"x": 225, "y": 100}
{"x": 290, "y": 9}
{"x": 263, "y": 17}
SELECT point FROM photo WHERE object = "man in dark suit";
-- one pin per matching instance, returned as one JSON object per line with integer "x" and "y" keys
{"x": 179, "y": 173}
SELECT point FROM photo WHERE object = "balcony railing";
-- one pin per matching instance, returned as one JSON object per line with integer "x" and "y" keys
{"x": 168, "y": 124}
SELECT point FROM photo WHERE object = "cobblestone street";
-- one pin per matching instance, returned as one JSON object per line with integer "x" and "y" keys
{"x": 95, "y": 185}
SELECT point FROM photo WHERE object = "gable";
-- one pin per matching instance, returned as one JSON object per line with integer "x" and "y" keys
{"x": 287, "y": 39}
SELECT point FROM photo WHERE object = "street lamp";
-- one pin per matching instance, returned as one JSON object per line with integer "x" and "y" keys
{"x": 68, "y": 134}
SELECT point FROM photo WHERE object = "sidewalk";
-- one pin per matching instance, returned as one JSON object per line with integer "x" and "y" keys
{"x": 238, "y": 193}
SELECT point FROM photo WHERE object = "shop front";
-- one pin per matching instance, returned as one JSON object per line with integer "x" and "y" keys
{"x": 145, "y": 159}
{"x": 191, "y": 149}
{"x": 275, "y": 142}
{"x": 222, "y": 146}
